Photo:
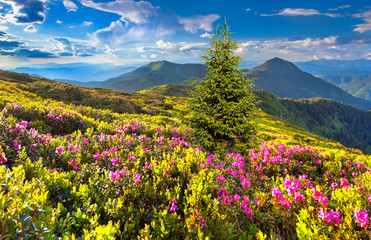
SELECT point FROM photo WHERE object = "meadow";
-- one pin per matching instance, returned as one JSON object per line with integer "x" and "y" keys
{"x": 77, "y": 172}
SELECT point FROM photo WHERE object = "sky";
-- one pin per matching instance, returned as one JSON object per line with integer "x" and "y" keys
{"x": 131, "y": 31}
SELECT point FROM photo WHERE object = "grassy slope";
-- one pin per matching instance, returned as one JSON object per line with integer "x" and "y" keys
{"x": 168, "y": 90}
{"x": 359, "y": 85}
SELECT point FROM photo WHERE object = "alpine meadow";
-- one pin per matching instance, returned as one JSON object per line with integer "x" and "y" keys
{"x": 100, "y": 138}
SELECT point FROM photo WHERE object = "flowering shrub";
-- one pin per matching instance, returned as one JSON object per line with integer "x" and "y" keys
{"x": 107, "y": 176}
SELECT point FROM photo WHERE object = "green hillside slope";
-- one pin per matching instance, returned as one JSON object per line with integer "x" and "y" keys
{"x": 359, "y": 85}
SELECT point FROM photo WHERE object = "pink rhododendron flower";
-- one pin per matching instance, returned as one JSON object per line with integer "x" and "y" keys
{"x": 334, "y": 185}
{"x": 299, "y": 197}
{"x": 3, "y": 158}
{"x": 173, "y": 206}
{"x": 71, "y": 147}
{"x": 249, "y": 213}
{"x": 220, "y": 179}
{"x": 148, "y": 165}
{"x": 59, "y": 150}
{"x": 361, "y": 217}
{"x": 96, "y": 155}
{"x": 245, "y": 183}
{"x": 137, "y": 177}
{"x": 330, "y": 217}
{"x": 285, "y": 203}
{"x": 276, "y": 193}
{"x": 344, "y": 182}
{"x": 291, "y": 186}
{"x": 317, "y": 195}
{"x": 114, "y": 161}
{"x": 237, "y": 197}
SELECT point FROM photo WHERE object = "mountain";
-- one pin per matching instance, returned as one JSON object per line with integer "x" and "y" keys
{"x": 155, "y": 74}
{"x": 325, "y": 67}
{"x": 359, "y": 85}
{"x": 81, "y": 72}
{"x": 284, "y": 79}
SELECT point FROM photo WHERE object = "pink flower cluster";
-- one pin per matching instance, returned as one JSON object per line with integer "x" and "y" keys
{"x": 319, "y": 197}
{"x": 75, "y": 165}
{"x": 277, "y": 194}
{"x": 332, "y": 217}
{"x": 291, "y": 186}
{"x": 244, "y": 205}
{"x": 116, "y": 175}
{"x": 136, "y": 177}
{"x": 362, "y": 217}
{"x": 172, "y": 205}
{"x": 3, "y": 158}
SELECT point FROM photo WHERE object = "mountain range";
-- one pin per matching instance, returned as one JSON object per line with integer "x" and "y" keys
{"x": 334, "y": 66}
{"x": 277, "y": 76}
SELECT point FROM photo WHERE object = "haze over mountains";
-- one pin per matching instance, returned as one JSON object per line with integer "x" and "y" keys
{"x": 79, "y": 72}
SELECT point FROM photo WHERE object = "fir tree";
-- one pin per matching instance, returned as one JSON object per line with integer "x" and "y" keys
{"x": 223, "y": 102}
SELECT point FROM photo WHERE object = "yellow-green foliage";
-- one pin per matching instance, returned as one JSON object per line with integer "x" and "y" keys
{"x": 105, "y": 175}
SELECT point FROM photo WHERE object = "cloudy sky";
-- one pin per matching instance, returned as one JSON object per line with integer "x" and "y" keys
{"x": 132, "y": 31}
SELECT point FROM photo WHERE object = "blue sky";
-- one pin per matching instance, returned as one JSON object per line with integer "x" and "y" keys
{"x": 128, "y": 31}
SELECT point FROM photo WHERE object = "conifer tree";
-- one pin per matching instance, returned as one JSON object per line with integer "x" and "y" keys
{"x": 222, "y": 102}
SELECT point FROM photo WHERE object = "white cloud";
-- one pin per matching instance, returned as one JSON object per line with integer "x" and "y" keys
{"x": 198, "y": 22}
{"x": 248, "y": 9}
{"x": 3, "y": 28}
{"x": 153, "y": 55}
{"x": 206, "y": 35}
{"x": 192, "y": 46}
{"x": 340, "y": 7}
{"x": 30, "y": 28}
{"x": 301, "y": 12}
{"x": 109, "y": 51}
{"x": 59, "y": 22}
{"x": 23, "y": 11}
{"x": 70, "y": 6}
{"x": 332, "y": 47}
{"x": 112, "y": 35}
{"x": 161, "y": 44}
{"x": 129, "y": 10}
{"x": 364, "y": 27}
{"x": 85, "y": 23}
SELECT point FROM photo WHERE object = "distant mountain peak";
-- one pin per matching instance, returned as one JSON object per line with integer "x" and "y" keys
{"x": 278, "y": 64}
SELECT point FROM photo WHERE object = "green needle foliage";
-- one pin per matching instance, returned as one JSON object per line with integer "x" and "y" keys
{"x": 222, "y": 102}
